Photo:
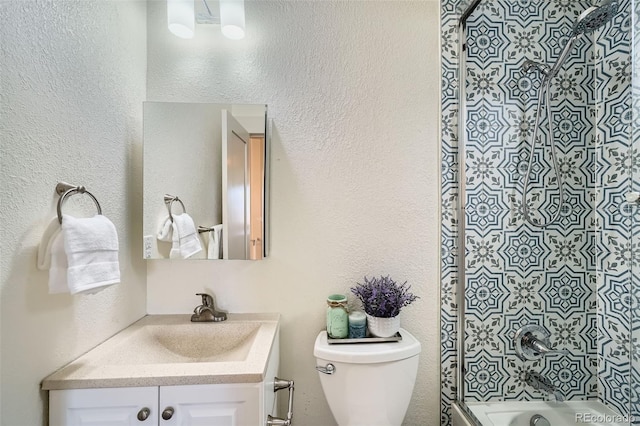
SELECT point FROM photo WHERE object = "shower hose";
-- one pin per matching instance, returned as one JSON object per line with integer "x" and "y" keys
{"x": 543, "y": 93}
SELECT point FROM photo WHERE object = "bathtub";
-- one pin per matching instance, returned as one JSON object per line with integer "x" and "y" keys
{"x": 514, "y": 413}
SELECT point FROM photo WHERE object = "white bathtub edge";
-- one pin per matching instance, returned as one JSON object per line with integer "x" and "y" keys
{"x": 458, "y": 417}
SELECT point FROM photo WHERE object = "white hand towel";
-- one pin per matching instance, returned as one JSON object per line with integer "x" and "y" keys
{"x": 57, "y": 265}
{"x": 91, "y": 245}
{"x": 165, "y": 230}
{"x": 214, "y": 244}
{"x": 185, "y": 237}
{"x": 51, "y": 256}
{"x": 44, "y": 249}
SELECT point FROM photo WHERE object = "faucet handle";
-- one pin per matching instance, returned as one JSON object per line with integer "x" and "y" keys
{"x": 207, "y": 300}
{"x": 541, "y": 346}
{"x": 530, "y": 346}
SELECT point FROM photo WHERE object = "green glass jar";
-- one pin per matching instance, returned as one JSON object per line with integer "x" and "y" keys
{"x": 337, "y": 316}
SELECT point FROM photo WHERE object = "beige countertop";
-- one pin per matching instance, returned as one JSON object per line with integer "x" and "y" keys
{"x": 163, "y": 350}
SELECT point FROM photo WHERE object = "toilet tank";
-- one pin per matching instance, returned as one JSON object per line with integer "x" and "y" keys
{"x": 372, "y": 382}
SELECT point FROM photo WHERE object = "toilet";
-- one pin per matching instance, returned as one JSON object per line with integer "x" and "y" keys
{"x": 368, "y": 384}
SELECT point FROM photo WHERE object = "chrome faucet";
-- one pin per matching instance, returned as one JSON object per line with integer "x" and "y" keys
{"x": 540, "y": 346}
{"x": 530, "y": 347}
{"x": 541, "y": 383}
{"x": 207, "y": 311}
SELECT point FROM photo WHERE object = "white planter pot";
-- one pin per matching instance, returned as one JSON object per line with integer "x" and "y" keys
{"x": 383, "y": 327}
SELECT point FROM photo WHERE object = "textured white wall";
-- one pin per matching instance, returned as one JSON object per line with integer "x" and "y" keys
{"x": 353, "y": 88}
{"x": 73, "y": 82}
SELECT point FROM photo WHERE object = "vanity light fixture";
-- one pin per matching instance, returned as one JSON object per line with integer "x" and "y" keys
{"x": 183, "y": 14}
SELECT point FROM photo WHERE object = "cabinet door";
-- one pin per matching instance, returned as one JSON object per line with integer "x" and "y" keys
{"x": 212, "y": 405}
{"x": 103, "y": 407}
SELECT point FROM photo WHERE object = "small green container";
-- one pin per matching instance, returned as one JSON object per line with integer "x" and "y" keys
{"x": 337, "y": 316}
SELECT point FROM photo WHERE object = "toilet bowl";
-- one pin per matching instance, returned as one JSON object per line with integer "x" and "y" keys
{"x": 368, "y": 384}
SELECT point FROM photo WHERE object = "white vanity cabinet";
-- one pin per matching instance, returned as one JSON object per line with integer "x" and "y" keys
{"x": 213, "y": 405}
{"x": 166, "y": 371}
{"x": 232, "y": 405}
{"x": 108, "y": 406}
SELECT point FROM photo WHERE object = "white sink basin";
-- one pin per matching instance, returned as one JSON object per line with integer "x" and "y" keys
{"x": 171, "y": 350}
{"x": 201, "y": 342}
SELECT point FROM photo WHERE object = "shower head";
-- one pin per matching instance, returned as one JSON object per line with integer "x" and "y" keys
{"x": 595, "y": 17}
{"x": 588, "y": 21}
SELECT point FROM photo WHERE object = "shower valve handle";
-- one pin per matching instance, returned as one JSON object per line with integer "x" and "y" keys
{"x": 532, "y": 342}
{"x": 540, "y": 346}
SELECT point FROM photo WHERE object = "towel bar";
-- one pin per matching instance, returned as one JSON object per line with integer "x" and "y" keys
{"x": 65, "y": 189}
{"x": 202, "y": 229}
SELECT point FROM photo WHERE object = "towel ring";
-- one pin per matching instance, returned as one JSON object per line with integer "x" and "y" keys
{"x": 65, "y": 190}
{"x": 169, "y": 200}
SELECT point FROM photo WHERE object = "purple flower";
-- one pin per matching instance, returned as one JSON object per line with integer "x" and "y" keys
{"x": 383, "y": 297}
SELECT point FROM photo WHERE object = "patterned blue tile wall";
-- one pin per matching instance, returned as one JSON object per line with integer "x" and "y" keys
{"x": 635, "y": 170}
{"x": 617, "y": 252}
{"x": 573, "y": 277}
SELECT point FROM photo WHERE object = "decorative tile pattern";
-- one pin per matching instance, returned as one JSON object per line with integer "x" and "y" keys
{"x": 448, "y": 384}
{"x": 450, "y": 185}
{"x": 565, "y": 291}
{"x": 485, "y": 377}
{"x": 575, "y": 276}
{"x": 615, "y": 217}
{"x": 524, "y": 251}
{"x": 571, "y": 373}
{"x": 485, "y": 293}
{"x": 632, "y": 159}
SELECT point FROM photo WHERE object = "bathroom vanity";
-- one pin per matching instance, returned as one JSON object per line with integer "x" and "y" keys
{"x": 165, "y": 370}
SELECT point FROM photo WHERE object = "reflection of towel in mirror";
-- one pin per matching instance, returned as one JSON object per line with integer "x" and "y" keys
{"x": 184, "y": 238}
{"x": 214, "y": 242}
{"x": 165, "y": 231}
{"x": 91, "y": 245}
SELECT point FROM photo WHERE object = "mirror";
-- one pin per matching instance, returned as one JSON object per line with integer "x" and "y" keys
{"x": 205, "y": 171}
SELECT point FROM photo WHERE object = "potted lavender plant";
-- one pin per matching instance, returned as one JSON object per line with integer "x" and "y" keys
{"x": 382, "y": 299}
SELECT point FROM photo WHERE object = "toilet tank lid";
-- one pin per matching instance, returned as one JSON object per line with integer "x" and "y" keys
{"x": 367, "y": 353}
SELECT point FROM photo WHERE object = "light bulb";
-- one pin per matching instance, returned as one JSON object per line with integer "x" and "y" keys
{"x": 181, "y": 17}
{"x": 232, "y": 18}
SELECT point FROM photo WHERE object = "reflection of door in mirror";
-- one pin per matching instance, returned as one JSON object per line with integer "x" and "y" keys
{"x": 256, "y": 183}
{"x": 236, "y": 198}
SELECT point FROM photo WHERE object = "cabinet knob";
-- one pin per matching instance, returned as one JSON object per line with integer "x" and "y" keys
{"x": 167, "y": 413}
{"x": 143, "y": 414}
